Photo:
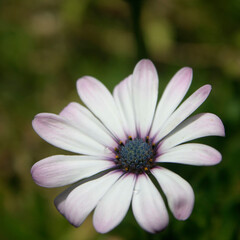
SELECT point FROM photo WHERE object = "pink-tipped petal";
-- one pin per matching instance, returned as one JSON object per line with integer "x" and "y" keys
{"x": 82, "y": 118}
{"x": 192, "y": 154}
{"x": 123, "y": 97}
{"x": 84, "y": 198}
{"x": 148, "y": 206}
{"x": 61, "y": 133}
{"x": 172, "y": 96}
{"x": 184, "y": 111}
{"x": 145, "y": 93}
{"x": 113, "y": 207}
{"x": 179, "y": 193}
{"x": 100, "y": 101}
{"x": 60, "y": 170}
{"x": 200, "y": 125}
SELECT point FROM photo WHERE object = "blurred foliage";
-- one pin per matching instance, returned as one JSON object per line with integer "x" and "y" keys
{"x": 46, "y": 45}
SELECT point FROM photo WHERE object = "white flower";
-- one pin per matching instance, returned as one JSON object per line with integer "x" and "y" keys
{"x": 122, "y": 139}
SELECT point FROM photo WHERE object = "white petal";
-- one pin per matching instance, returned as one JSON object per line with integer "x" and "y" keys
{"x": 59, "y": 201}
{"x": 184, "y": 111}
{"x": 148, "y": 206}
{"x": 123, "y": 97}
{"x": 179, "y": 193}
{"x": 145, "y": 93}
{"x": 100, "y": 101}
{"x": 61, "y": 133}
{"x": 84, "y": 198}
{"x": 200, "y": 125}
{"x": 113, "y": 207}
{"x": 60, "y": 170}
{"x": 82, "y": 118}
{"x": 172, "y": 96}
{"x": 192, "y": 154}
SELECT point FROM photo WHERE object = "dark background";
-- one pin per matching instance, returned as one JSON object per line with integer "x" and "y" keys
{"x": 46, "y": 45}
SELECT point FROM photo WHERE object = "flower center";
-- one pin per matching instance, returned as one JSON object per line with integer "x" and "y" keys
{"x": 136, "y": 156}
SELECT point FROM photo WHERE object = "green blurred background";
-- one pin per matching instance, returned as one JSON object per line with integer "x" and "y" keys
{"x": 46, "y": 45}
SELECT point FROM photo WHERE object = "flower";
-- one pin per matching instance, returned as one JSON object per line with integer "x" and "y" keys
{"x": 121, "y": 140}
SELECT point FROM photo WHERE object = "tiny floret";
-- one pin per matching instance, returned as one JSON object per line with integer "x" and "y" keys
{"x": 136, "y": 155}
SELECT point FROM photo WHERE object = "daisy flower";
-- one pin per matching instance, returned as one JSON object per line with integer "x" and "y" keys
{"x": 120, "y": 141}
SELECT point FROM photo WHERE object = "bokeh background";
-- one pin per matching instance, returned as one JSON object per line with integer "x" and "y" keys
{"x": 46, "y": 45}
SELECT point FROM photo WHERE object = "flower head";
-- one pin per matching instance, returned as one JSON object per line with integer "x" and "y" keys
{"x": 122, "y": 139}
